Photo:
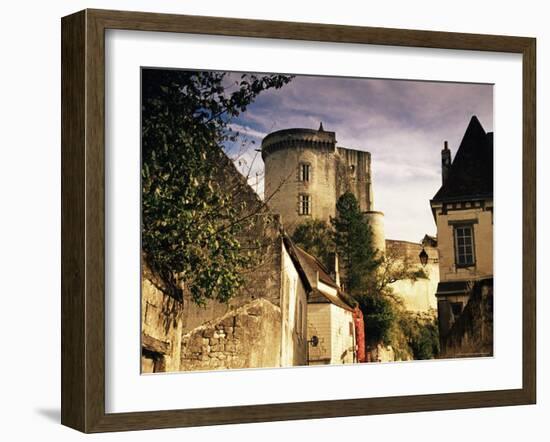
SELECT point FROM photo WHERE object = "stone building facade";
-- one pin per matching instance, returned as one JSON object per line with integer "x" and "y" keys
{"x": 463, "y": 212}
{"x": 263, "y": 325}
{"x": 335, "y": 328}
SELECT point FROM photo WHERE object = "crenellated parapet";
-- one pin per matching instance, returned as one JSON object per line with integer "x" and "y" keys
{"x": 298, "y": 138}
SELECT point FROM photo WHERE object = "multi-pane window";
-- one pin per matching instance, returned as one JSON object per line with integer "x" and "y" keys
{"x": 464, "y": 245}
{"x": 304, "y": 205}
{"x": 304, "y": 172}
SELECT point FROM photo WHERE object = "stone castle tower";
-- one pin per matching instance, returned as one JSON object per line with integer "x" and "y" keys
{"x": 306, "y": 173}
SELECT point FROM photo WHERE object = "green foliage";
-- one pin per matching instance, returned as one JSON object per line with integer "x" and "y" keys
{"x": 190, "y": 223}
{"x": 379, "y": 316}
{"x": 421, "y": 333}
{"x": 353, "y": 241}
{"x": 315, "y": 237}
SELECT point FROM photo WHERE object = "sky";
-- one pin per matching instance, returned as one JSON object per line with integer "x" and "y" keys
{"x": 403, "y": 124}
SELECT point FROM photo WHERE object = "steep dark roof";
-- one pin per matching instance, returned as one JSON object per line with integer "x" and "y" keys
{"x": 471, "y": 172}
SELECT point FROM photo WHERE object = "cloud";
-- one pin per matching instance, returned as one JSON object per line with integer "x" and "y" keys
{"x": 402, "y": 123}
{"x": 247, "y": 131}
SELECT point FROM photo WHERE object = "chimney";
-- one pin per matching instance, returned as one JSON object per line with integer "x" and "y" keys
{"x": 334, "y": 268}
{"x": 445, "y": 162}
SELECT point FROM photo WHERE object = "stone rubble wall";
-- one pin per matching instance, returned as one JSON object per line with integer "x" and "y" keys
{"x": 247, "y": 337}
{"x": 260, "y": 232}
{"x": 472, "y": 333}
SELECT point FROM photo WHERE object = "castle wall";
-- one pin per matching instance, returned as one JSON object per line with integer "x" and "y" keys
{"x": 417, "y": 295}
{"x": 248, "y": 337}
{"x": 165, "y": 319}
{"x": 283, "y": 187}
{"x": 263, "y": 280}
{"x": 333, "y": 171}
{"x": 354, "y": 175}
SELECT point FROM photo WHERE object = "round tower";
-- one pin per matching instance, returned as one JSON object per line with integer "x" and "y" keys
{"x": 376, "y": 222}
{"x": 300, "y": 174}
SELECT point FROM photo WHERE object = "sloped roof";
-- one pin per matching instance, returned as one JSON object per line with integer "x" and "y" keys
{"x": 309, "y": 267}
{"x": 471, "y": 172}
{"x": 312, "y": 265}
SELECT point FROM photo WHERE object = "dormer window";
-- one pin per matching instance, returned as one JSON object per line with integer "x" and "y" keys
{"x": 304, "y": 172}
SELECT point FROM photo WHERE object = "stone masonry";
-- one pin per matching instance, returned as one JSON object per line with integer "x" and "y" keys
{"x": 247, "y": 337}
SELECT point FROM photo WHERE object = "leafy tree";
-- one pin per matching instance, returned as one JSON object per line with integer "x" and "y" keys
{"x": 419, "y": 333}
{"x": 315, "y": 237}
{"x": 190, "y": 223}
{"x": 353, "y": 241}
{"x": 393, "y": 266}
{"x": 379, "y": 314}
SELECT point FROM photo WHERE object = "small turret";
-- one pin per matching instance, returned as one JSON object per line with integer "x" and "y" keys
{"x": 445, "y": 162}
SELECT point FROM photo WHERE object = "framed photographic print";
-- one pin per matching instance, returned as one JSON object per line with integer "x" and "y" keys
{"x": 266, "y": 221}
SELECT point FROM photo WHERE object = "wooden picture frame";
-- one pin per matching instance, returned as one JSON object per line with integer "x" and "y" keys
{"x": 83, "y": 220}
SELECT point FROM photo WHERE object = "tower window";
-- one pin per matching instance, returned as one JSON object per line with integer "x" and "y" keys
{"x": 304, "y": 173}
{"x": 304, "y": 205}
{"x": 464, "y": 245}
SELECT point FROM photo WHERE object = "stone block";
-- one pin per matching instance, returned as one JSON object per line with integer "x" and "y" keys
{"x": 208, "y": 333}
{"x": 228, "y": 322}
{"x": 254, "y": 310}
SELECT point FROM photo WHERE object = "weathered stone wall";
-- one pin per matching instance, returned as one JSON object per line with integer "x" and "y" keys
{"x": 472, "y": 333}
{"x": 354, "y": 175}
{"x": 161, "y": 319}
{"x": 248, "y": 337}
{"x": 417, "y": 295}
{"x": 262, "y": 233}
{"x": 165, "y": 319}
{"x": 262, "y": 281}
